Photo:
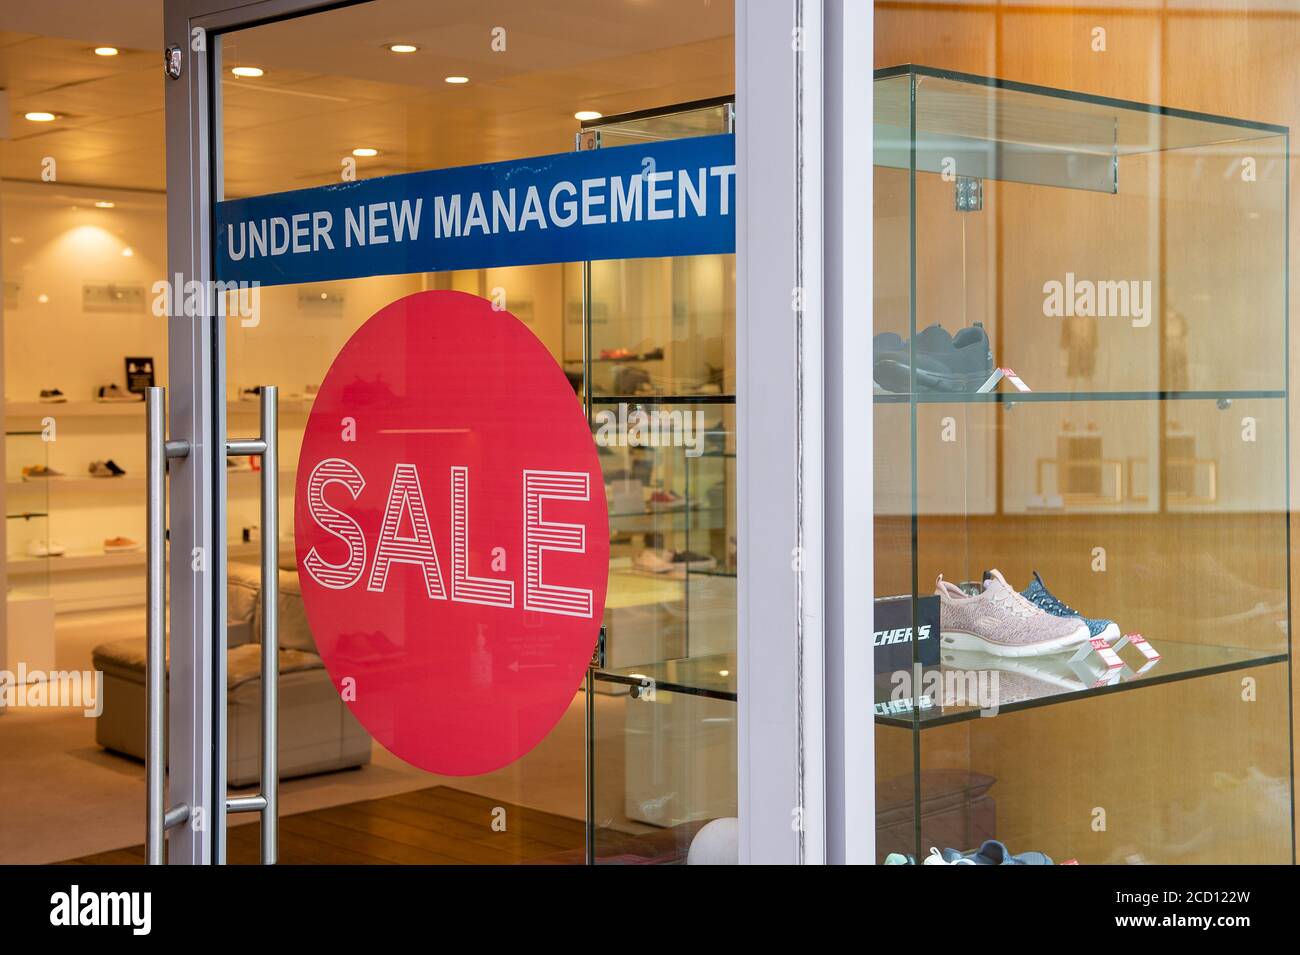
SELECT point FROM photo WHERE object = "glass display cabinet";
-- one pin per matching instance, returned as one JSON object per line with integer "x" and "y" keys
{"x": 655, "y": 351}
{"x": 1080, "y": 402}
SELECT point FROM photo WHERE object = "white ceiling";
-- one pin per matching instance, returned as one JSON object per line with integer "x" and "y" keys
{"x": 130, "y": 23}
{"x": 331, "y": 84}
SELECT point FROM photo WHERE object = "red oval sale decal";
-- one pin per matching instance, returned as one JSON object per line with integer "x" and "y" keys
{"x": 452, "y": 533}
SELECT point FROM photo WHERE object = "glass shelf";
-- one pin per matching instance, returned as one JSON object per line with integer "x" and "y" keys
{"x": 1044, "y": 681}
{"x": 1016, "y": 132}
{"x": 712, "y": 676}
{"x": 663, "y": 399}
{"x": 1032, "y": 397}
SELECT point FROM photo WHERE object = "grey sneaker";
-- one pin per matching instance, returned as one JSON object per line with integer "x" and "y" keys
{"x": 1000, "y": 621}
{"x": 950, "y": 363}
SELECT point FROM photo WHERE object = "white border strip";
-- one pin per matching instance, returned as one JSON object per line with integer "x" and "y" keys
{"x": 850, "y": 761}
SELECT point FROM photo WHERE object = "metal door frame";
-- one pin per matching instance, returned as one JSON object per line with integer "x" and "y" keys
{"x": 196, "y": 711}
{"x": 803, "y": 149}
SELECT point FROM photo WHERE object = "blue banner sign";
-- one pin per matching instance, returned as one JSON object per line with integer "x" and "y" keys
{"x": 626, "y": 202}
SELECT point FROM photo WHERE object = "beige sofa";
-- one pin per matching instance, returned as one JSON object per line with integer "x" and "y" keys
{"x": 317, "y": 731}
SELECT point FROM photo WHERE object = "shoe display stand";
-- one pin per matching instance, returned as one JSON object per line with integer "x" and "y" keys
{"x": 657, "y": 339}
{"x": 1129, "y": 262}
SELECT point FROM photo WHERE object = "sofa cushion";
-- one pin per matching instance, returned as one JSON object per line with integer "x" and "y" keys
{"x": 126, "y": 659}
{"x": 243, "y": 584}
{"x": 295, "y": 631}
{"x": 245, "y": 663}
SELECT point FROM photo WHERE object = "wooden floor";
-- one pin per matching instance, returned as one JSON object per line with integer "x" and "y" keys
{"x": 430, "y": 826}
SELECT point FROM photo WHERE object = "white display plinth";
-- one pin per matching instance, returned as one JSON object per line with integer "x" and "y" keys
{"x": 30, "y": 635}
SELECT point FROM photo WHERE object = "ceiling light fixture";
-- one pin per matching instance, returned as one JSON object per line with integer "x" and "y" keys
{"x": 402, "y": 48}
{"x": 128, "y": 252}
{"x": 105, "y": 51}
{"x": 249, "y": 71}
{"x": 39, "y": 117}
{"x": 456, "y": 80}
{"x": 585, "y": 114}
{"x": 104, "y": 204}
{"x": 365, "y": 152}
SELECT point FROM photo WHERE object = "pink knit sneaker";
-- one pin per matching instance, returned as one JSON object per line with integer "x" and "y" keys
{"x": 1002, "y": 622}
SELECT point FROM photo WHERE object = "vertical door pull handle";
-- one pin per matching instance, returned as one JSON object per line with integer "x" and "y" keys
{"x": 157, "y": 450}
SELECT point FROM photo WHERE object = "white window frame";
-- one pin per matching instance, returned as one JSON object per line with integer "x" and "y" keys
{"x": 804, "y": 421}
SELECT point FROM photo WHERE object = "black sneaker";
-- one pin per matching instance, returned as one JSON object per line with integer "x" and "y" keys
{"x": 960, "y": 363}
{"x": 112, "y": 393}
{"x": 52, "y": 396}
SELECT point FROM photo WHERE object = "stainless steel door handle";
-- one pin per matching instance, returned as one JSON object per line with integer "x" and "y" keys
{"x": 157, "y": 450}
{"x": 267, "y": 801}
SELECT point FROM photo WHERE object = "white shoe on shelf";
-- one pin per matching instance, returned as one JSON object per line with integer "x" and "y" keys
{"x": 45, "y": 548}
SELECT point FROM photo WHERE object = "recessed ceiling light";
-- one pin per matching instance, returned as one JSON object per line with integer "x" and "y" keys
{"x": 586, "y": 114}
{"x": 456, "y": 80}
{"x": 247, "y": 71}
{"x": 402, "y": 47}
{"x": 39, "y": 117}
{"x": 105, "y": 51}
{"x": 365, "y": 152}
{"x": 104, "y": 204}
{"x": 43, "y": 298}
{"x": 128, "y": 252}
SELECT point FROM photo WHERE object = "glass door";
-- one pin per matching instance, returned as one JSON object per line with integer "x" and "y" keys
{"x": 337, "y": 98}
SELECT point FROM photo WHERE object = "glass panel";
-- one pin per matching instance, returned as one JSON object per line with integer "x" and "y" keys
{"x": 1080, "y": 402}
{"x": 1040, "y": 136}
{"x": 78, "y": 263}
{"x": 661, "y": 329}
{"x": 897, "y": 700}
{"x": 27, "y": 508}
{"x": 662, "y": 359}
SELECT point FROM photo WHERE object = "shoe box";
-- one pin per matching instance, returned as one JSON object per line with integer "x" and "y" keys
{"x": 893, "y": 634}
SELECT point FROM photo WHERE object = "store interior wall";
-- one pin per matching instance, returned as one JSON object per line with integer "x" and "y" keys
{"x": 1058, "y": 766}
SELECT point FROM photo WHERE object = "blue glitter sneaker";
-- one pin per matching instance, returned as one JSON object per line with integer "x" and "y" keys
{"x": 1038, "y": 595}
{"x": 993, "y": 852}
